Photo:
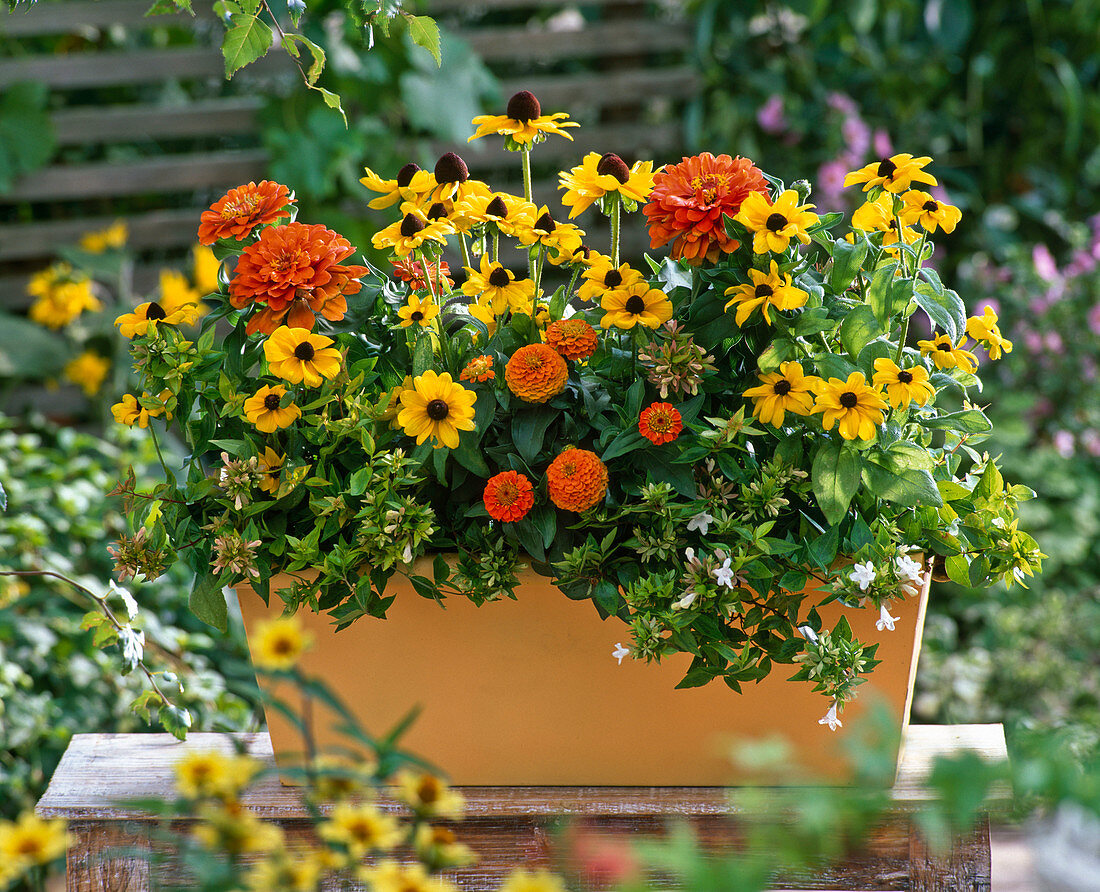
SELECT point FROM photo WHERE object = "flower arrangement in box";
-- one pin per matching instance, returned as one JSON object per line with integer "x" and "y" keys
{"x": 686, "y": 443}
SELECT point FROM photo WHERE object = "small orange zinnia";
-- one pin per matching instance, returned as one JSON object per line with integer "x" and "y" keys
{"x": 572, "y": 338}
{"x": 412, "y": 271}
{"x": 479, "y": 369}
{"x": 660, "y": 423}
{"x": 241, "y": 210}
{"x": 576, "y": 479}
{"x": 690, "y": 201}
{"x": 536, "y": 372}
{"x": 508, "y": 496}
{"x": 294, "y": 272}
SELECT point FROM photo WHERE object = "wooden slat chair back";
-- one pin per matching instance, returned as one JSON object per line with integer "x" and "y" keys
{"x": 152, "y": 128}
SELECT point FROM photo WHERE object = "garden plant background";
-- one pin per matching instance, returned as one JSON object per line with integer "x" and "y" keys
{"x": 1005, "y": 95}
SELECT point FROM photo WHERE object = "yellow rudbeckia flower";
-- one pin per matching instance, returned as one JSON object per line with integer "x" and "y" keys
{"x": 894, "y": 174}
{"x": 852, "y": 405}
{"x": 265, "y": 410}
{"x": 600, "y": 175}
{"x": 768, "y": 289}
{"x": 438, "y": 407}
{"x": 417, "y": 311}
{"x": 523, "y": 122}
{"x": 984, "y": 330}
{"x": 493, "y": 285}
{"x": 921, "y": 207}
{"x": 903, "y": 386}
{"x": 410, "y": 184}
{"x": 947, "y": 355}
{"x": 299, "y": 356}
{"x": 636, "y": 304}
{"x": 788, "y": 390}
{"x": 774, "y": 224}
{"x": 279, "y": 643}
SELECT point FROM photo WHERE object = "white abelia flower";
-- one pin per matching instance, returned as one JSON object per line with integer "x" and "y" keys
{"x": 133, "y": 645}
{"x": 619, "y": 652}
{"x": 885, "y": 621}
{"x": 908, "y": 569}
{"x": 808, "y": 633}
{"x": 830, "y": 718}
{"x": 686, "y": 601}
{"x": 863, "y": 575}
{"x": 407, "y": 554}
{"x": 701, "y": 522}
{"x": 724, "y": 575}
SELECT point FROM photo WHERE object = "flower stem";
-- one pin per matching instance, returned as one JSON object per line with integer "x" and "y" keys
{"x": 465, "y": 250}
{"x": 496, "y": 244}
{"x": 615, "y": 231}
{"x": 427, "y": 275}
{"x": 527, "y": 172}
{"x": 156, "y": 444}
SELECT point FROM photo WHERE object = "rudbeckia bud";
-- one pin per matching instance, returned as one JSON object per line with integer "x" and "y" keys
{"x": 802, "y": 189}
{"x": 451, "y": 169}
{"x": 612, "y": 164}
{"x": 523, "y": 107}
{"x": 545, "y": 223}
{"x": 497, "y": 207}
{"x": 406, "y": 173}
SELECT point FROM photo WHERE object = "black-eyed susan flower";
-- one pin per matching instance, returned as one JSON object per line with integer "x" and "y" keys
{"x": 114, "y": 236}
{"x": 410, "y": 184}
{"x": 921, "y": 207}
{"x": 231, "y": 828}
{"x": 439, "y": 846}
{"x": 31, "y": 841}
{"x": 856, "y": 408}
{"x": 61, "y": 296}
{"x": 429, "y": 796}
{"x": 788, "y": 390}
{"x": 636, "y": 304}
{"x": 894, "y": 174}
{"x": 767, "y": 289}
{"x": 391, "y": 876}
{"x": 270, "y": 465}
{"x": 948, "y": 355}
{"x": 601, "y": 175}
{"x": 88, "y": 371}
{"x": 878, "y": 216}
{"x": 483, "y": 313}
{"x": 984, "y": 330}
{"x": 602, "y": 277}
{"x": 503, "y": 210}
{"x": 438, "y": 407}
{"x": 299, "y": 356}
{"x": 774, "y": 224}
{"x": 561, "y": 239}
{"x": 903, "y": 386}
{"x": 523, "y": 122}
{"x": 293, "y": 872}
{"x": 494, "y": 285}
{"x": 452, "y": 180}
{"x": 265, "y": 409}
{"x": 204, "y": 269}
{"x": 417, "y": 311}
{"x": 408, "y": 234}
{"x": 523, "y": 880}
{"x": 133, "y": 411}
{"x": 209, "y": 773}
{"x": 362, "y": 828}
{"x": 279, "y": 643}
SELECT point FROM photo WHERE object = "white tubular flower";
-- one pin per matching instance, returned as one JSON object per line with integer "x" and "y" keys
{"x": 908, "y": 569}
{"x": 885, "y": 621}
{"x": 407, "y": 554}
{"x": 863, "y": 575}
{"x": 809, "y": 634}
{"x": 830, "y": 718}
{"x": 133, "y": 645}
{"x": 619, "y": 652}
{"x": 701, "y": 522}
{"x": 686, "y": 601}
{"x": 724, "y": 575}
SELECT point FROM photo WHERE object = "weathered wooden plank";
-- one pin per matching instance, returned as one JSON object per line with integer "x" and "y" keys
{"x": 602, "y": 39}
{"x": 474, "y": 7}
{"x": 169, "y": 173}
{"x": 83, "y": 125}
{"x": 966, "y": 867}
{"x": 63, "y": 18}
{"x": 155, "y": 229}
{"x": 130, "y": 67}
{"x": 638, "y": 86}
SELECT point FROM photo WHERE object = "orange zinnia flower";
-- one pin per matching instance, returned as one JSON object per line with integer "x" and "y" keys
{"x": 508, "y": 496}
{"x": 536, "y": 373}
{"x": 572, "y": 338}
{"x": 241, "y": 210}
{"x": 295, "y": 271}
{"x": 661, "y": 423}
{"x": 576, "y": 479}
{"x": 479, "y": 369}
{"x": 412, "y": 271}
{"x": 690, "y": 200}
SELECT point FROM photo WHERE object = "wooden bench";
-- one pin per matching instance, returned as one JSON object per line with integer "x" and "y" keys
{"x": 507, "y": 826}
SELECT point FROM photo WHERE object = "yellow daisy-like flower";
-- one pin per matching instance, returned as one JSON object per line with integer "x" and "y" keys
{"x": 178, "y": 296}
{"x": 299, "y": 356}
{"x": 114, "y": 236}
{"x": 264, "y": 409}
{"x": 390, "y": 876}
{"x": 984, "y": 330}
{"x": 417, "y": 311}
{"x": 31, "y": 841}
{"x": 560, "y": 239}
{"x": 523, "y": 122}
{"x": 636, "y": 304}
{"x": 230, "y": 827}
{"x": 894, "y": 174}
{"x": 493, "y": 285}
{"x": 285, "y": 872}
{"x": 203, "y": 773}
{"x": 947, "y": 355}
{"x": 204, "y": 269}
{"x": 362, "y": 828}
{"x": 878, "y": 216}
{"x": 270, "y": 466}
{"x": 88, "y": 370}
{"x": 437, "y": 407}
{"x": 775, "y": 224}
{"x": 601, "y": 278}
{"x": 409, "y": 233}
{"x": 921, "y": 207}
{"x": 390, "y": 402}
{"x": 61, "y": 296}
{"x": 903, "y": 386}
{"x": 522, "y": 880}
{"x": 506, "y": 212}
{"x": 410, "y": 184}
{"x": 483, "y": 313}
{"x": 607, "y": 174}
{"x": 858, "y": 408}
{"x": 439, "y": 847}
{"x": 279, "y": 643}
{"x": 429, "y": 796}
{"x": 768, "y": 289}
{"x": 452, "y": 180}
{"x": 788, "y": 390}
{"x": 131, "y": 411}
{"x": 177, "y": 312}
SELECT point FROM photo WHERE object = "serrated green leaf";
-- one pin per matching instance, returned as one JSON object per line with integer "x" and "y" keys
{"x": 425, "y": 33}
{"x": 247, "y": 40}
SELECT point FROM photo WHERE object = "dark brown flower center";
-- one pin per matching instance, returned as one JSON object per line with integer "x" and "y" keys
{"x": 499, "y": 277}
{"x": 438, "y": 410}
{"x": 782, "y": 387}
{"x": 271, "y": 401}
{"x": 497, "y": 208}
{"x": 905, "y": 377}
{"x": 523, "y": 107}
{"x": 411, "y": 225}
{"x": 776, "y": 222}
{"x": 428, "y": 789}
{"x": 635, "y": 305}
{"x": 613, "y": 279}
{"x": 545, "y": 223}
{"x": 416, "y": 315}
{"x": 406, "y": 173}
{"x": 437, "y": 211}
{"x": 304, "y": 351}
{"x": 615, "y": 166}
{"x": 930, "y": 206}
{"x": 155, "y": 311}
{"x": 848, "y": 399}
{"x": 886, "y": 168}
{"x": 945, "y": 346}
{"x": 764, "y": 290}
{"x": 451, "y": 169}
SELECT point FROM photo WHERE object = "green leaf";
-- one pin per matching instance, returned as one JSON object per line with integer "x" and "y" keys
{"x": 624, "y": 442}
{"x": 27, "y": 350}
{"x": 245, "y": 42}
{"x": 423, "y": 355}
{"x": 175, "y": 720}
{"x": 847, "y": 260}
{"x": 969, "y": 421}
{"x": 425, "y": 32}
{"x": 469, "y": 454}
{"x": 879, "y": 292}
{"x": 889, "y": 476}
{"x": 27, "y": 136}
{"x": 332, "y": 100}
{"x": 836, "y": 473}
{"x": 958, "y": 569}
{"x": 944, "y": 308}
{"x": 318, "y": 65}
{"x": 859, "y": 327}
{"x": 529, "y": 429}
{"x": 207, "y": 601}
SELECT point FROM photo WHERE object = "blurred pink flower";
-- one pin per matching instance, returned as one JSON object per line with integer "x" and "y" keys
{"x": 846, "y": 105}
{"x": 1083, "y": 261}
{"x": 1053, "y": 342}
{"x": 883, "y": 147}
{"x": 1094, "y": 319}
{"x": 992, "y": 303}
{"x": 1063, "y": 443}
{"x": 1090, "y": 440}
{"x": 1045, "y": 264}
{"x": 830, "y": 179}
{"x": 856, "y": 134}
{"x": 1032, "y": 340}
{"x": 770, "y": 115}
